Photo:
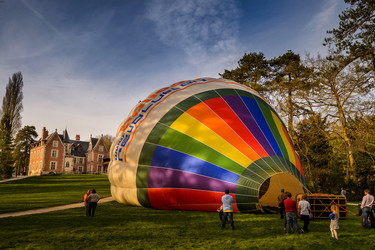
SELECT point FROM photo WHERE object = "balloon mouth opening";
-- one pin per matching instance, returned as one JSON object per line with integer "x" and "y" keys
{"x": 271, "y": 189}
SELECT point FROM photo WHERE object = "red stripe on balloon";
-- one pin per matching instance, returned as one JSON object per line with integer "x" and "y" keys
{"x": 186, "y": 199}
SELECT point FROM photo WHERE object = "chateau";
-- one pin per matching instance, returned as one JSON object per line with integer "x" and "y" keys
{"x": 58, "y": 154}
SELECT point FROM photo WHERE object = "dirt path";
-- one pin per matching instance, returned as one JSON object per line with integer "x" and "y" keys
{"x": 51, "y": 209}
{"x": 14, "y": 178}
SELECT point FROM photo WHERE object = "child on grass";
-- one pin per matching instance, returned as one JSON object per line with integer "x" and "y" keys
{"x": 334, "y": 216}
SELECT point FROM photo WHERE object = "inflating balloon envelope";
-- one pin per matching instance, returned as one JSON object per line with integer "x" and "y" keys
{"x": 184, "y": 145}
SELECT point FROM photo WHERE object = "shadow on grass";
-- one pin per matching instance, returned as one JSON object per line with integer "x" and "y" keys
{"x": 116, "y": 226}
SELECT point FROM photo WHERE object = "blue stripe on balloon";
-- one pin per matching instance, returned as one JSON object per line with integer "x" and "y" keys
{"x": 239, "y": 107}
{"x": 256, "y": 112}
{"x": 168, "y": 158}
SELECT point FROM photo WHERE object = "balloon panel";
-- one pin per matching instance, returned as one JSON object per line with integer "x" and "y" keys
{"x": 223, "y": 136}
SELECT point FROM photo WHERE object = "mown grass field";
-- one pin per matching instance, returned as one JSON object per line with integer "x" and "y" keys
{"x": 46, "y": 191}
{"x": 116, "y": 226}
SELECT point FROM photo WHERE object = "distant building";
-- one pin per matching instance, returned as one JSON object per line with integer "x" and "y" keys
{"x": 57, "y": 153}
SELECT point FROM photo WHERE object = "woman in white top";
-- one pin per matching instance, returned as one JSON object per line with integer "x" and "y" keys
{"x": 93, "y": 198}
{"x": 304, "y": 208}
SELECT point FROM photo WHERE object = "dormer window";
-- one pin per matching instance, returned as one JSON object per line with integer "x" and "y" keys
{"x": 55, "y": 143}
{"x": 101, "y": 148}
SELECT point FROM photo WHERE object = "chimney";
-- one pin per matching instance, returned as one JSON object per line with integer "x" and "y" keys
{"x": 78, "y": 138}
{"x": 44, "y": 133}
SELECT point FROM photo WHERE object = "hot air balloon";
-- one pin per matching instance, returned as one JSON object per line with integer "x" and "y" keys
{"x": 185, "y": 144}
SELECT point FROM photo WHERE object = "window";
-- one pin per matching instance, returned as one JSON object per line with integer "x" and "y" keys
{"x": 100, "y": 158}
{"x": 99, "y": 169}
{"x": 101, "y": 148}
{"x": 54, "y": 154}
{"x": 55, "y": 143}
{"x": 67, "y": 164}
{"x": 80, "y": 169}
{"x": 80, "y": 161}
{"x": 53, "y": 165}
{"x": 74, "y": 160}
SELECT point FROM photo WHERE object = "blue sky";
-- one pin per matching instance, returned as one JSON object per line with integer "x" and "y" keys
{"x": 86, "y": 63}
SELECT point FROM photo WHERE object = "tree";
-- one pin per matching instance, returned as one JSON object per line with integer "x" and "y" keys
{"x": 252, "y": 71}
{"x": 12, "y": 101}
{"x": 341, "y": 91}
{"x": 356, "y": 32}
{"x": 108, "y": 139}
{"x": 23, "y": 141}
{"x": 363, "y": 135}
{"x": 289, "y": 76}
{"x": 6, "y": 159}
{"x": 313, "y": 146}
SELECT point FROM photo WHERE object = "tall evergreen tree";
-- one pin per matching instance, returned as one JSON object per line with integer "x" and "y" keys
{"x": 356, "y": 32}
{"x": 6, "y": 159}
{"x": 252, "y": 71}
{"x": 23, "y": 142}
{"x": 12, "y": 101}
{"x": 289, "y": 76}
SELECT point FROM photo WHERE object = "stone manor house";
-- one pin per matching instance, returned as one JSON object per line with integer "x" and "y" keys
{"x": 58, "y": 154}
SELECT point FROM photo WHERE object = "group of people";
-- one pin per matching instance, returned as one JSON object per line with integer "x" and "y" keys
{"x": 91, "y": 201}
{"x": 289, "y": 208}
{"x": 288, "y": 211}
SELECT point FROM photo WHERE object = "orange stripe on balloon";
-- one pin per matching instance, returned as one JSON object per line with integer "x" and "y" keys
{"x": 206, "y": 116}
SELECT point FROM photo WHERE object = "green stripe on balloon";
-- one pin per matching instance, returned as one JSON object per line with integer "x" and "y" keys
{"x": 272, "y": 125}
{"x": 177, "y": 141}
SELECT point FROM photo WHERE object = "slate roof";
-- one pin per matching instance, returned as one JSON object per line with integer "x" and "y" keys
{"x": 75, "y": 150}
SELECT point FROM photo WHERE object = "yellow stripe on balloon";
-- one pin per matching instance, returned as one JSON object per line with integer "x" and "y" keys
{"x": 188, "y": 125}
{"x": 289, "y": 148}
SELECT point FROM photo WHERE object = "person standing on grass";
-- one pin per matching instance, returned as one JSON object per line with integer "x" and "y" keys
{"x": 86, "y": 202}
{"x": 93, "y": 198}
{"x": 291, "y": 213}
{"x": 304, "y": 208}
{"x": 343, "y": 191}
{"x": 366, "y": 206}
{"x": 280, "y": 200}
{"x": 334, "y": 216}
{"x": 227, "y": 208}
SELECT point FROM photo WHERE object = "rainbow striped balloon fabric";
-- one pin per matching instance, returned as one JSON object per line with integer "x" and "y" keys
{"x": 185, "y": 144}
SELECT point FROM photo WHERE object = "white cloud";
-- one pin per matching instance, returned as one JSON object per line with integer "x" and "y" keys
{"x": 206, "y": 30}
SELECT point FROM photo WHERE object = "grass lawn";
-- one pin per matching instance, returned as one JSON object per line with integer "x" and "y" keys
{"x": 116, "y": 226}
{"x": 47, "y": 191}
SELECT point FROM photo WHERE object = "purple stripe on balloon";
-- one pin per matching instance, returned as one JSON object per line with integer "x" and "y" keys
{"x": 169, "y": 178}
{"x": 236, "y": 103}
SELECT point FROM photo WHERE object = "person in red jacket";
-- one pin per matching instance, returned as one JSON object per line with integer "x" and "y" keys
{"x": 87, "y": 203}
{"x": 290, "y": 213}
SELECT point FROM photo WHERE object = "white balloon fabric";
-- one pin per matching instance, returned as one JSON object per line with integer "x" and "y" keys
{"x": 185, "y": 144}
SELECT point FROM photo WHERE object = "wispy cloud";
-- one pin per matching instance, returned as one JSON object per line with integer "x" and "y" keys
{"x": 40, "y": 16}
{"x": 325, "y": 18}
{"x": 203, "y": 29}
